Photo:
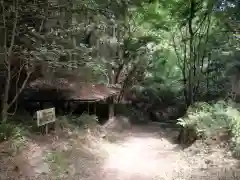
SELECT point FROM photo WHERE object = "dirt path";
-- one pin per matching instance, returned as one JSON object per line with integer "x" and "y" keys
{"x": 143, "y": 153}
{"x": 146, "y": 154}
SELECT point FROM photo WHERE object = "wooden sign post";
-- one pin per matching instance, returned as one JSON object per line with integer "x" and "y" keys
{"x": 46, "y": 116}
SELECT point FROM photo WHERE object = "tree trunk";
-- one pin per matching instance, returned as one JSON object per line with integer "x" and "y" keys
{"x": 6, "y": 95}
{"x": 191, "y": 71}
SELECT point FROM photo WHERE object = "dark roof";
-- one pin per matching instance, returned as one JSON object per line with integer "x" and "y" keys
{"x": 63, "y": 89}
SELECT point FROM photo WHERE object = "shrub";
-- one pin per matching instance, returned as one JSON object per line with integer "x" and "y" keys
{"x": 208, "y": 119}
{"x": 14, "y": 135}
{"x": 134, "y": 114}
{"x": 8, "y": 131}
{"x": 88, "y": 121}
{"x": 85, "y": 120}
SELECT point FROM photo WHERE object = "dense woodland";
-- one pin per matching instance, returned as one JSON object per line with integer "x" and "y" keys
{"x": 167, "y": 56}
{"x": 176, "y": 64}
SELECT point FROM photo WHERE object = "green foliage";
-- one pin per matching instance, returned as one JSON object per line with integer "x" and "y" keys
{"x": 88, "y": 121}
{"x": 135, "y": 115}
{"x": 17, "y": 143}
{"x": 208, "y": 119}
{"x": 195, "y": 63}
{"x": 175, "y": 51}
{"x": 15, "y": 136}
{"x": 10, "y": 131}
{"x": 85, "y": 121}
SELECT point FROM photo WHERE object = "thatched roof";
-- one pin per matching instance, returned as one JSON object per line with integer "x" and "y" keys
{"x": 63, "y": 89}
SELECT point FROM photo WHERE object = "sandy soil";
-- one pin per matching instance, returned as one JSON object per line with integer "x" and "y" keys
{"x": 143, "y": 152}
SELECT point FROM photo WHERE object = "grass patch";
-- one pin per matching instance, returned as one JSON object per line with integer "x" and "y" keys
{"x": 58, "y": 160}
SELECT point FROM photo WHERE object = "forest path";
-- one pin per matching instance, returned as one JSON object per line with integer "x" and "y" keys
{"x": 143, "y": 152}
{"x": 148, "y": 153}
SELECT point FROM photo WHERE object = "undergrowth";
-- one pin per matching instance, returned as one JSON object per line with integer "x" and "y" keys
{"x": 15, "y": 132}
{"x": 134, "y": 114}
{"x": 83, "y": 121}
{"x": 208, "y": 119}
{"x": 58, "y": 160}
{"x": 8, "y": 131}
{"x": 15, "y": 137}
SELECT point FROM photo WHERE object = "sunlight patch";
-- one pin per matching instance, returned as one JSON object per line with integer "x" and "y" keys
{"x": 139, "y": 156}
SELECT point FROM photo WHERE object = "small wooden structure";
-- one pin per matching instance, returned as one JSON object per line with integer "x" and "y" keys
{"x": 66, "y": 95}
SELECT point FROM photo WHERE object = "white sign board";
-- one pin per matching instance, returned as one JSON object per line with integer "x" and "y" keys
{"x": 46, "y": 116}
